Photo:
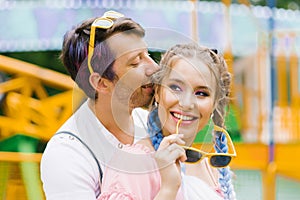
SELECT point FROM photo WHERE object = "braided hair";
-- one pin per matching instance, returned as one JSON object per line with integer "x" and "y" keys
{"x": 218, "y": 119}
{"x": 218, "y": 67}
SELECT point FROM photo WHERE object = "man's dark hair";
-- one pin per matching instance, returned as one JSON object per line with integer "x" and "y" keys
{"x": 75, "y": 51}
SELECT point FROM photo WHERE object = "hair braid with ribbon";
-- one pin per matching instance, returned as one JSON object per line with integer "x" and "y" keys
{"x": 218, "y": 119}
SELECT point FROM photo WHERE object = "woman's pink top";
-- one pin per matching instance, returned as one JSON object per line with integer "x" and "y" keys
{"x": 141, "y": 183}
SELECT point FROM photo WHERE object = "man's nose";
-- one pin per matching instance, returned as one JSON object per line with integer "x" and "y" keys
{"x": 151, "y": 66}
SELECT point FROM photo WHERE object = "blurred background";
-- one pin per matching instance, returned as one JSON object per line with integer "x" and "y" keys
{"x": 260, "y": 40}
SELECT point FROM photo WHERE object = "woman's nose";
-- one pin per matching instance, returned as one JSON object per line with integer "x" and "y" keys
{"x": 186, "y": 102}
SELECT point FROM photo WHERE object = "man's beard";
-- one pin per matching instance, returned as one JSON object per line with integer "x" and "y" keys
{"x": 131, "y": 98}
{"x": 138, "y": 99}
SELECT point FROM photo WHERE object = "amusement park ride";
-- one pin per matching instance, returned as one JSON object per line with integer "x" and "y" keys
{"x": 267, "y": 110}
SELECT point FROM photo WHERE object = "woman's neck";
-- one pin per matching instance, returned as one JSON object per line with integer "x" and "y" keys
{"x": 203, "y": 171}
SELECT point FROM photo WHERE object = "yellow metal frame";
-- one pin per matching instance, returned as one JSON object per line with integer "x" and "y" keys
{"x": 49, "y": 77}
{"x": 28, "y": 108}
{"x": 19, "y": 157}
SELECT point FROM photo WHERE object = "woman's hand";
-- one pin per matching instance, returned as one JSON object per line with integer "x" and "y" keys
{"x": 169, "y": 150}
{"x": 167, "y": 158}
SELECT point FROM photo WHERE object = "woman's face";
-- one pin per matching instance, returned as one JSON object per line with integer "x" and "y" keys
{"x": 187, "y": 93}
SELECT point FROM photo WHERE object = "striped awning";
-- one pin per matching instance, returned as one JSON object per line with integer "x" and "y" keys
{"x": 40, "y": 25}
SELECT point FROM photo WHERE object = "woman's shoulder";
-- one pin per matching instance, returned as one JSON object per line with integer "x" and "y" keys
{"x": 146, "y": 144}
{"x": 143, "y": 146}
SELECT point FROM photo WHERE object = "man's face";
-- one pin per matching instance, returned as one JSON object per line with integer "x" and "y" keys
{"x": 133, "y": 67}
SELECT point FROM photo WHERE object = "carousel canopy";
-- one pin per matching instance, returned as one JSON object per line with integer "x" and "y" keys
{"x": 40, "y": 25}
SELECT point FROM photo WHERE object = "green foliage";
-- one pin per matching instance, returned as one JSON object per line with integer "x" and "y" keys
{"x": 46, "y": 59}
{"x": 232, "y": 126}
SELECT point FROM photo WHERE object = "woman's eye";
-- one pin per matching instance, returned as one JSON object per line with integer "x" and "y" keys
{"x": 201, "y": 93}
{"x": 175, "y": 88}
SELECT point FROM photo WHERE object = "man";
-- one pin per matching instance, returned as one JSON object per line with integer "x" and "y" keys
{"x": 109, "y": 61}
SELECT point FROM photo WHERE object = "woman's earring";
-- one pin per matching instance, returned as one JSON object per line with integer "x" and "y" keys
{"x": 155, "y": 104}
{"x": 211, "y": 115}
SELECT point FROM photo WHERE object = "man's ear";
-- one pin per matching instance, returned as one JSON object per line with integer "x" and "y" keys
{"x": 98, "y": 83}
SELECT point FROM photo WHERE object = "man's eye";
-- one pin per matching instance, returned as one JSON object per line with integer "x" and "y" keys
{"x": 136, "y": 61}
{"x": 135, "y": 64}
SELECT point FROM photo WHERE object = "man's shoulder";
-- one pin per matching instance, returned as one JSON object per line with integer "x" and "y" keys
{"x": 67, "y": 151}
{"x": 66, "y": 162}
{"x": 62, "y": 144}
{"x": 66, "y": 144}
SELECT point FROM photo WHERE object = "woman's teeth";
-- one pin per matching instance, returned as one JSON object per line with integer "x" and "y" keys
{"x": 183, "y": 117}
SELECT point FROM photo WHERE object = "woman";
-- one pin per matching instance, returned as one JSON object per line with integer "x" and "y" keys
{"x": 192, "y": 87}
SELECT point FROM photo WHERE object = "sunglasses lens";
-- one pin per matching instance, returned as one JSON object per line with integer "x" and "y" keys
{"x": 192, "y": 156}
{"x": 103, "y": 23}
{"x": 220, "y": 161}
{"x": 113, "y": 15}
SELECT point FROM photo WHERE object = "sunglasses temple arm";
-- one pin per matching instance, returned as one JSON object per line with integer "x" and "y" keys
{"x": 177, "y": 125}
{"x": 91, "y": 48}
{"x": 218, "y": 128}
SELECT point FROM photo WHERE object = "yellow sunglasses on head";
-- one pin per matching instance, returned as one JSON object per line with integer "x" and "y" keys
{"x": 104, "y": 22}
{"x": 217, "y": 160}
